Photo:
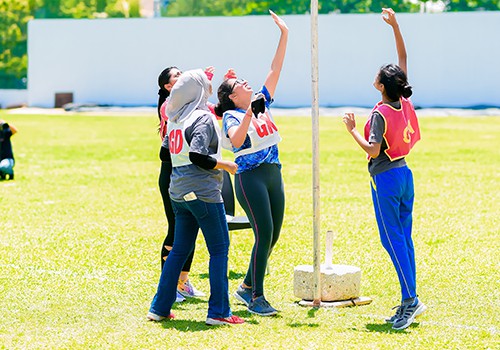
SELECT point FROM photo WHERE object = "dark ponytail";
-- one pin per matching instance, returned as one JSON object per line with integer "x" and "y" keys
{"x": 225, "y": 103}
{"x": 163, "y": 78}
{"x": 395, "y": 82}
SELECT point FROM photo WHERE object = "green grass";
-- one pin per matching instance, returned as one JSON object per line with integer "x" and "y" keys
{"x": 82, "y": 224}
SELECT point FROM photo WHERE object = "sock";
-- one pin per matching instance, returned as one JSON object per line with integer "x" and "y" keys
{"x": 410, "y": 301}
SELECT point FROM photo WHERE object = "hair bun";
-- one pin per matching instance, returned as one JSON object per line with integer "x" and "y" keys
{"x": 407, "y": 91}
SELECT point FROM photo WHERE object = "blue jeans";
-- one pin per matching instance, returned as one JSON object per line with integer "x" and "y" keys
{"x": 393, "y": 195}
{"x": 190, "y": 216}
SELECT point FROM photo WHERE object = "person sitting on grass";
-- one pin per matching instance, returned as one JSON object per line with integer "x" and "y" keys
{"x": 7, "y": 161}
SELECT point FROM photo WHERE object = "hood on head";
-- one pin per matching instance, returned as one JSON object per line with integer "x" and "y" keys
{"x": 190, "y": 92}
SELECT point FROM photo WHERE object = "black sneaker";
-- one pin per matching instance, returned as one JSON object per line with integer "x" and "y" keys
{"x": 261, "y": 307}
{"x": 408, "y": 313}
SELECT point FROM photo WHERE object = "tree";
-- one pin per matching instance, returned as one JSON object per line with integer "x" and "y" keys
{"x": 14, "y": 16}
{"x": 281, "y": 7}
{"x": 472, "y": 5}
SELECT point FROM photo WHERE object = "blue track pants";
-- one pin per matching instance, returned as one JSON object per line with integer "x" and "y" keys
{"x": 393, "y": 195}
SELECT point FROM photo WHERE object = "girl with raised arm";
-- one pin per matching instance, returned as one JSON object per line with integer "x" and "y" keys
{"x": 252, "y": 135}
{"x": 389, "y": 135}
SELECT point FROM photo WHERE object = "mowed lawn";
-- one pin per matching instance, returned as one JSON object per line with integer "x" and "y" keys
{"x": 82, "y": 224}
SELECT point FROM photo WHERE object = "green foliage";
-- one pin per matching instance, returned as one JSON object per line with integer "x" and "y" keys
{"x": 281, "y": 7}
{"x": 472, "y": 5}
{"x": 83, "y": 223}
{"x": 14, "y": 16}
{"x": 86, "y": 8}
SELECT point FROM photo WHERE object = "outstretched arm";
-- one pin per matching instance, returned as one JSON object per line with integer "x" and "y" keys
{"x": 279, "y": 56}
{"x": 390, "y": 19}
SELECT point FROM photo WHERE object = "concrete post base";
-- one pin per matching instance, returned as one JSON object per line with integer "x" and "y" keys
{"x": 338, "y": 282}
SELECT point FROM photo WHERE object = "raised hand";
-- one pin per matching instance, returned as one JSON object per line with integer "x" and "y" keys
{"x": 209, "y": 72}
{"x": 349, "y": 121}
{"x": 279, "y": 21}
{"x": 230, "y": 74}
{"x": 389, "y": 16}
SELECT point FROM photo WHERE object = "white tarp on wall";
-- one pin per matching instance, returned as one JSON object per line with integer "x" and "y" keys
{"x": 453, "y": 58}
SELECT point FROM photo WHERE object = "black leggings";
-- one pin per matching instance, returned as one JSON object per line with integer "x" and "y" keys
{"x": 261, "y": 194}
{"x": 164, "y": 183}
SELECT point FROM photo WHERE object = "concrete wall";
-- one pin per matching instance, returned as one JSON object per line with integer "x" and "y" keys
{"x": 13, "y": 97}
{"x": 453, "y": 58}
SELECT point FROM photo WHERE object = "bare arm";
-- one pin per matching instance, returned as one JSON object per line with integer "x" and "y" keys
{"x": 12, "y": 128}
{"x": 227, "y": 165}
{"x": 373, "y": 149}
{"x": 279, "y": 56}
{"x": 400, "y": 44}
{"x": 237, "y": 134}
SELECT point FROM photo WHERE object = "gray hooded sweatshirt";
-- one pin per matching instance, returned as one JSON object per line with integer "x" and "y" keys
{"x": 190, "y": 93}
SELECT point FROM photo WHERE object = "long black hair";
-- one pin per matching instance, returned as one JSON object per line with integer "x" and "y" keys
{"x": 395, "y": 82}
{"x": 225, "y": 103}
{"x": 163, "y": 78}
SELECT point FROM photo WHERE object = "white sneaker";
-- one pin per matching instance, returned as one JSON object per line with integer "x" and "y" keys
{"x": 179, "y": 298}
{"x": 157, "y": 318}
{"x": 186, "y": 289}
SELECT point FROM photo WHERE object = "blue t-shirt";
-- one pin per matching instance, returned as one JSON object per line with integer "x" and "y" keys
{"x": 251, "y": 161}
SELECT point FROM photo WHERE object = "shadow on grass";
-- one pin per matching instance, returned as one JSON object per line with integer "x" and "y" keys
{"x": 232, "y": 275}
{"x": 254, "y": 319}
{"x": 299, "y": 324}
{"x": 311, "y": 313}
{"x": 387, "y": 328}
{"x": 199, "y": 326}
{"x": 192, "y": 301}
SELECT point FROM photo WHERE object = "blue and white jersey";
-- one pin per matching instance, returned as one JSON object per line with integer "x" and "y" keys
{"x": 260, "y": 145}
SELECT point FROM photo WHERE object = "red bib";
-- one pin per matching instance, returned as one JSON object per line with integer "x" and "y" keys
{"x": 401, "y": 128}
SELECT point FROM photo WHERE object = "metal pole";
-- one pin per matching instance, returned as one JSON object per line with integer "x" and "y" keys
{"x": 315, "y": 152}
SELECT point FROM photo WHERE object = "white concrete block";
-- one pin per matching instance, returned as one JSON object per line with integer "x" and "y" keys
{"x": 338, "y": 282}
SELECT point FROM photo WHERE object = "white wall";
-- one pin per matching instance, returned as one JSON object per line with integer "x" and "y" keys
{"x": 13, "y": 97}
{"x": 454, "y": 58}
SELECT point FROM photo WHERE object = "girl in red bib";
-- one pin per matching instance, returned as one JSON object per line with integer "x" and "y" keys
{"x": 389, "y": 135}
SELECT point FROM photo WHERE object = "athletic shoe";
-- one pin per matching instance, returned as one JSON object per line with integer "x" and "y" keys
{"x": 224, "y": 320}
{"x": 186, "y": 289}
{"x": 157, "y": 318}
{"x": 408, "y": 313}
{"x": 260, "y": 306}
{"x": 179, "y": 298}
{"x": 397, "y": 315}
{"x": 243, "y": 295}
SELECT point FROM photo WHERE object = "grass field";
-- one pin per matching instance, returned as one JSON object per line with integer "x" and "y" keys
{"x": 82, "y": 224}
